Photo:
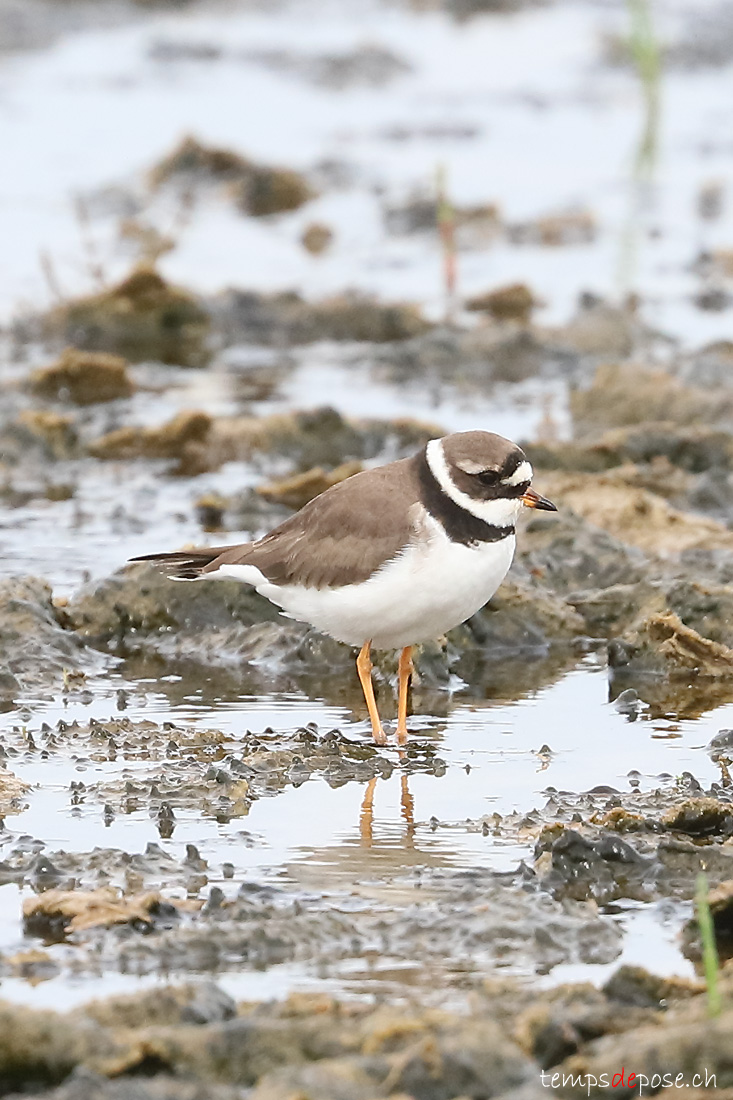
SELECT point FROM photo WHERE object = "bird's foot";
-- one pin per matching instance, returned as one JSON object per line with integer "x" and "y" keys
{"x": 401, "y": 732}
{"x": 380, "y": 737}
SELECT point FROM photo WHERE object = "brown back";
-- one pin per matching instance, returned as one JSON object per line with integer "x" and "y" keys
{"x": 342, "y": 537}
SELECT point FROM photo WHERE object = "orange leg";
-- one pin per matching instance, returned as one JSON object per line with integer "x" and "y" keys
{"x": 364, "y": 668}
{"x": 405, "y": 673}
{"x": 366, "y": 818}
{"x": 408, "y": 807}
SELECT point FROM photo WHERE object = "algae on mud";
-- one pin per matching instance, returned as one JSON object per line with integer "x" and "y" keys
{"x": 143, "y": 317}
{"x": 256, "y": 189}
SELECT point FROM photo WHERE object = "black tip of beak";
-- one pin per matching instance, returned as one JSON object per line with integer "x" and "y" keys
{"x": 534, "y": 500}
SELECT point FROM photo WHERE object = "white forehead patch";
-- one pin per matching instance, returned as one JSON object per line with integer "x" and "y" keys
{"x": 522, "y": 473}
{"x": 470, "y": 467}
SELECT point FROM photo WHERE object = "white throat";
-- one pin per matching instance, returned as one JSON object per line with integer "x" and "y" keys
{"x": 499, "y": 513}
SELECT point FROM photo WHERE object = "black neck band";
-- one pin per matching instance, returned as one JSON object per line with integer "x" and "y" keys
{"x": 458, "y": 524}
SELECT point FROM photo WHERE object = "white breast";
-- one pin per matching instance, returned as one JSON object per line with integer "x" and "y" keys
{"x": 432, "y": 586}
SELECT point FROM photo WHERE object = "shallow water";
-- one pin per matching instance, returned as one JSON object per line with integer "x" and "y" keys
{"x": 522, "y": 110}
{"x": 324, "y": 840}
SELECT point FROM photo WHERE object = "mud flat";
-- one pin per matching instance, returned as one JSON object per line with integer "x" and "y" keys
{"x": 212, "y": 884}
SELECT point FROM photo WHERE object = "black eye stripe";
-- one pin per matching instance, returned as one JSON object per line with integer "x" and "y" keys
{"x": 492, "y": 479}
{"x": 488, "y": 477}
{"x": 517, "y": 490}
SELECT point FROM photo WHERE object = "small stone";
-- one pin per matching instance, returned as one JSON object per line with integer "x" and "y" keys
{"x": 84, "y": 377}
{"x": 507, "y": 303}
{"x": 316, "y": 238}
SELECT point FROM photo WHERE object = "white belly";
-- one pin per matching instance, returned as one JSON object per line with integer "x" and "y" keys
{"x": 430, "y": 588}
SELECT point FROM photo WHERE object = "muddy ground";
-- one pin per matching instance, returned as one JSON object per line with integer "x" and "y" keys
{"x": 636, "y": 571}
{"x": 212, "y": 884}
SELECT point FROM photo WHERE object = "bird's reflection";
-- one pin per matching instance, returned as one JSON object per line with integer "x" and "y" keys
{"x": 407, "y": 804}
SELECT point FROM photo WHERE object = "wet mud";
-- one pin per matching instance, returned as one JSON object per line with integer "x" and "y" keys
{"x": 203, "y": 856}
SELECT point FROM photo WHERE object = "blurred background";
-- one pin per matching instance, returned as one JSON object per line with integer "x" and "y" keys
{"x": 571, "y": 147}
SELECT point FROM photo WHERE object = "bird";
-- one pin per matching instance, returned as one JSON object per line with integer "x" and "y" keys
{"x": 391, "y": 557}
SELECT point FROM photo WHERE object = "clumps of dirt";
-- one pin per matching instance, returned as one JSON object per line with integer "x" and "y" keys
{"x": 141, "y": 318}
{"x": 258, "y": 190}
{"x": 664, "y": 645}
{"x": 357, "y": 317}
{"x": 316, "y": 238}
{"x": 175, "y": 770}
{"x": 368, "y": 64}
{"x": 198, "y": 442}
{"x": 262, "y": 926}
{"x": 471, "y": 359}
{"x": 210, "y": 511}
{"x": 183, "y": 439}
{"x": 568, "y": 554}
{"x": 142, "y": 601}
{"x": 700, "y": 817}
{"x": 86, "y": 1084}
{"x": 56, "y": 914}
{"x": 284, "y": 318}
{"x": 54, "y": 434}
{"x": 473, "y": 226}
{"x": 29, "y": 864}
{"x": 313, "y": 1046}
{"x": 192, "y": 160}
{"x": 605, "y": 844}
{"x": 626, "y": 394}
{"x": 298, "y": 490}
{"x": 307, "y": 1046}
{"x": 694, "y": 449}
{"x": 564, "y": 1020}
{"x": 635, "y": 987}
{"x": 12, "y": 790}
{"x": 466, "y": 9}
{"x": 265, "y": 191}
{"x": 195, "y": 1003}
{"x": 720, "y": 901}
{"x": 688, "y": 1047}
{"x": 507, "y": 303}
{"x": 84, "y": 378}
{"x": 523, "y": 616}
{"x": 40, "y": 1049}
{"x": 601, "y": 331}
{"x": 636, "y": 516}
{"x": 559, "y": 230}
{"x": 602, "y": 868}
{"x": 36, "y": 648}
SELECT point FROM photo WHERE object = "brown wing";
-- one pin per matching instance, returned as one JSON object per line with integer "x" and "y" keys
{"x": 188, "y": 565}
{"x": 341, "y": 537}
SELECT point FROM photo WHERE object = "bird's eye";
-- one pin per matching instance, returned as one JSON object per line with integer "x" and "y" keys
{"x": 488, "y": 477}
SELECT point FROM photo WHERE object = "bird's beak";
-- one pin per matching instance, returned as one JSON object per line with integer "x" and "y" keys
{"x": 534, "y": 500}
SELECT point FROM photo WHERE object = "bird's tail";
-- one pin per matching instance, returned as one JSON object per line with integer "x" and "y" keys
{"x": 183, "y": 565}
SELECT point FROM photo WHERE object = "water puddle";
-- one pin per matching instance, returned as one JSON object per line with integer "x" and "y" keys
{"x": 354, "y": 842}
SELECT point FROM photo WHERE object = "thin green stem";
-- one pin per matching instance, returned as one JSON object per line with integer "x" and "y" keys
{"x": 647, "y": 57}
{"x": 446, "y": 228}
